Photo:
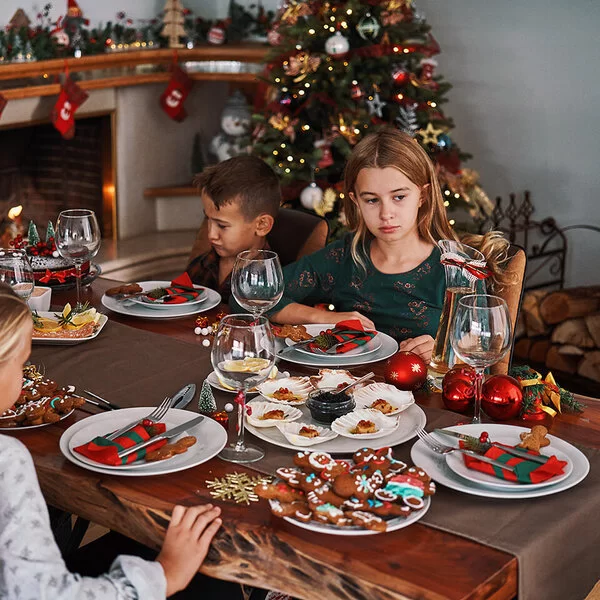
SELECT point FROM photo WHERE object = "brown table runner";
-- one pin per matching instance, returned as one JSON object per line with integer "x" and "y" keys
{"x": 555, "y": 537}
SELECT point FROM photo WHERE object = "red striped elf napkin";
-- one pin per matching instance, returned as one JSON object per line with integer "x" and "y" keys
{"x": 526, "y": 471}
{"x": 180, "y": 291}
{"x": 106, "y": 451}
{"x": 351, "y": 332}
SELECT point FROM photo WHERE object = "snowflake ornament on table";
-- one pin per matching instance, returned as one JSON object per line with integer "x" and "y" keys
{"x": 236, "y": 487}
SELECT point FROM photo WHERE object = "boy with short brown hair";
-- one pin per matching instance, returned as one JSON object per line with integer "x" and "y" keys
{"x": 241, "y": 198}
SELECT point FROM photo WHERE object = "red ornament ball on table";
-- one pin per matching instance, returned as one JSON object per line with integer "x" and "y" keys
{"x": 502, "y": 397}
{"x": 458, "y": 388}
{"x": 405, "y": 370}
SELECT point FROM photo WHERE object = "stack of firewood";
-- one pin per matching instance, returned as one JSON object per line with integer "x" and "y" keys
{"x": 561, "y": 330}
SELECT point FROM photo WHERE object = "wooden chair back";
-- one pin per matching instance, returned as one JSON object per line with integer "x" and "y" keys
{"x": 513, "y": 296}
{"x": 294, "y": 235}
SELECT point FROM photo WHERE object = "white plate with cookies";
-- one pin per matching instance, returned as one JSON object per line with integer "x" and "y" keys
{"x": 211, "y": 439}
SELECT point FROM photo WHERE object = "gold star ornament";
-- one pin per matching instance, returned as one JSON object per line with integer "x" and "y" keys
{"x": 430, "y": 134}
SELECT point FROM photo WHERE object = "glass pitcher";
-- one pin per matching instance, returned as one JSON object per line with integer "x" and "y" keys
{"x": 465, "y": 274}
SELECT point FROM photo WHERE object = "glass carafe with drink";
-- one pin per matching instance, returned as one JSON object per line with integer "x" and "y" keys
{"x": 464, "y": 267}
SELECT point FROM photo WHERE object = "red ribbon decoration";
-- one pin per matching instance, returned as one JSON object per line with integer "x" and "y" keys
{"x": 477, "y": 271}
{"x": 59, "y": 275}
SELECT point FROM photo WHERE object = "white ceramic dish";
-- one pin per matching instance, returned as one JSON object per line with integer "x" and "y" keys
{"x": 291, "y": 431}
{"x": 67, "y": 341}
{"x": 456, "y": 462}
{"x": 440, "y": 472}
{"x": 177, "y": 311}
{"x": 411, "y": 419}
{"x": 389, "y": 346}
{"x": 328, "y": 379}
{"x": 344, "y": 425}
{"x": 400, "y": 400}
{"x": 148, "y": 286}
{"x": 40, "y": 298}
{"x": 300, "y": 387}
{"x": 260, "y": 408}
{"x": 211, "y": 439}
{"x": 371, "y": 346}
{"x": 392, "y": 525}
{"x": 16, "y": 429}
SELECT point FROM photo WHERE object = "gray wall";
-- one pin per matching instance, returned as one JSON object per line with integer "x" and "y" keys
{"x": 524, "y": 100}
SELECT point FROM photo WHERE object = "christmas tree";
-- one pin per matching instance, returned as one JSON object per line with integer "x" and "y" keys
{"x": 206, "y": 400}
{"x": 340, "y": 70}
{"x": 173, "y": 20}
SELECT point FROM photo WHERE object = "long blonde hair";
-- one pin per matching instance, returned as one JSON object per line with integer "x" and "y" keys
{"x": 390, "y": 147}
{"x": 14, "y": 314}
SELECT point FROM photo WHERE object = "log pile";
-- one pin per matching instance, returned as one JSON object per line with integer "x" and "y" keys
{"x": 561, "y": 330}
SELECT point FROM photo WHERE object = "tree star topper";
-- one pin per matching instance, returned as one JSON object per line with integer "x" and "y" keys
{"x": 430, "y": 134}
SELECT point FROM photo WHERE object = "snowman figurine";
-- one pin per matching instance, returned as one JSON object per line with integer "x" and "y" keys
{"x": 232, "y": 140}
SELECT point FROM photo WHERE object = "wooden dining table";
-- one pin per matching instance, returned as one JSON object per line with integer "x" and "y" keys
{"x": 254, "y": 547}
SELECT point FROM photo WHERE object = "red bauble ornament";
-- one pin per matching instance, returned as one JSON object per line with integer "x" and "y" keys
{"x": 405, "y": 370}
{"x": 216, "y": 35}
{"x": 502, "y": 397}
{"x": 458, "y": 388}
{"x": 400, "y": 76}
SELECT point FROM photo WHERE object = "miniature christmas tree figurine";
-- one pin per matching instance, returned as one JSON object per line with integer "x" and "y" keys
{"x": 18, "y": 51}
{"x": 173, "y": 23}
{"x": 206, "y": 401}
{"x": 33, "y": 236}
{"x": 50, "y": 232}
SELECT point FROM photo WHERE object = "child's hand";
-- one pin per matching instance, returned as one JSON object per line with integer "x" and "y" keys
{"x": 336, "y": 317}
{"x": 421, "y": 345}
{"x": 186, "y": 543}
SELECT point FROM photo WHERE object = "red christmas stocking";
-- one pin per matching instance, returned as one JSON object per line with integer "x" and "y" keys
{"x": 3, "y": 103}
{"x": 177, "y": 91}
{"x": 71, "y": 97}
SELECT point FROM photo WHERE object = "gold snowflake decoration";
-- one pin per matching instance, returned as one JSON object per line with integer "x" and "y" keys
{"x": 236, "y": 487}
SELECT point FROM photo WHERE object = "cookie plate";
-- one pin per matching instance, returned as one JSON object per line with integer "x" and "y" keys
{"x": 62, "y": 418}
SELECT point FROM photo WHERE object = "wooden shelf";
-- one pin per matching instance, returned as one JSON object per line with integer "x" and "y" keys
{"x": 17, "y": 76}
{"x": 175, "y": 190}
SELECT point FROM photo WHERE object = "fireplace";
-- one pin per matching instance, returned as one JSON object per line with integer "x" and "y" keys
{"x": 44, "y": 173}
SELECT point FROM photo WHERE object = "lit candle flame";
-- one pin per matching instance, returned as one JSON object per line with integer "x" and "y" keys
{"x": 15, "y": 211}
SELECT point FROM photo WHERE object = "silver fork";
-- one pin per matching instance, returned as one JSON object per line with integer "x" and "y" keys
{"x": 442, "y": 449}
{"x": 156, "y": 415}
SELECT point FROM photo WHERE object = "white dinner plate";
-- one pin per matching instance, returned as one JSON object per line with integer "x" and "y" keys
{"x": 346, "y": 424}
{"x": 148, "y": 286}
{"x": 504, "y": 436}
{"x": 67, "y": 341}
{"x": 211, "y": 438}
{"x": 440, "y": 472}
{"x": 388, "y": 347}
{"x": 392, "y": 525}
{"x": 22, "y": 428}
{"x": 371, "y": 346}
{"x": 176, "y": 311}
{"x": 409, "y": 421}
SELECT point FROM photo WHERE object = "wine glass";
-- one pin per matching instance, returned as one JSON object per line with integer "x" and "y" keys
{"x": 481, "y": 336}
{"x": 243, "y": 355}
{"x": 16, "y": 271}
{"x": 78, "y": 239}
{"x": 257, "y": 280}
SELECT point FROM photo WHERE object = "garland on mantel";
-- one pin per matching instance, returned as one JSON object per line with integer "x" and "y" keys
{"x": 23, "y": 40}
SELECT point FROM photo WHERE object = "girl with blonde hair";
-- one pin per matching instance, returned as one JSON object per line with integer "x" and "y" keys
{"x": 386, "y": 271}
{"x": 31, "y": 565}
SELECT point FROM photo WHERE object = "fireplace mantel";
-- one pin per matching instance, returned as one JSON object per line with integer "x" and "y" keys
{"x": 231, "y": 62}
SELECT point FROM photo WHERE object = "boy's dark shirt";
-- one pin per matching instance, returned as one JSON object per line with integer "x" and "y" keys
{"x": 204, "y": 270}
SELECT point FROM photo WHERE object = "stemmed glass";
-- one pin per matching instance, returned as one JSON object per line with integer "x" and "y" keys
{"x": 257, "y": 280}
{"x": 16, "y": 271}
{"x": 481, "y": 336}
{"x": 78, "y": 239}
{"x": 243, "y": 355}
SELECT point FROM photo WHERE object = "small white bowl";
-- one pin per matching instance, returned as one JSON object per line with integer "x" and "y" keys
{"x": 291, "y": 432}
{"x": 40, "y": 298}
{"x": 344, "y": 425}
{"x": 299, "y": 386}
{"x": 332, "y": 378}
{"x": 260, "y": 408}
{"x": 400, "y": 400}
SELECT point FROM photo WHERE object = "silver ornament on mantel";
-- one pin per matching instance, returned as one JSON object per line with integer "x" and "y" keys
{"x": 311, "y": 196}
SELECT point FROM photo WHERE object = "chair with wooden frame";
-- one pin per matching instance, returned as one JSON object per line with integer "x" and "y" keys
{"x": 294, "y": 235}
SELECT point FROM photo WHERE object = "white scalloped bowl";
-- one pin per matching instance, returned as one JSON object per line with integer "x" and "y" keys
{"x": 344, "y": 425}
{"x": 260, "y": 408}
{"x": 299, "y": 386}
{"x": 332, "y": 378}
{"x": 291, "y": 433}
{"x": 400, "y": 400}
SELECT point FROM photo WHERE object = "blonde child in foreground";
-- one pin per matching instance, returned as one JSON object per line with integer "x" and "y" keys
{"x": 31, "y": 565}
{"x": 386, "y": 272}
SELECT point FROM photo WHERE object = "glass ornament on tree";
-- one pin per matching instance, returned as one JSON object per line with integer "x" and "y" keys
{"x": 337, "y": 45}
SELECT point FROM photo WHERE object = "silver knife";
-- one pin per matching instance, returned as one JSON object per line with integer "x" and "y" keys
{"x": 297, "y": 345}
{"x": 184, "y": 396}
{"x": 163, "y": 436}
{"x": 508, "y": 449}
